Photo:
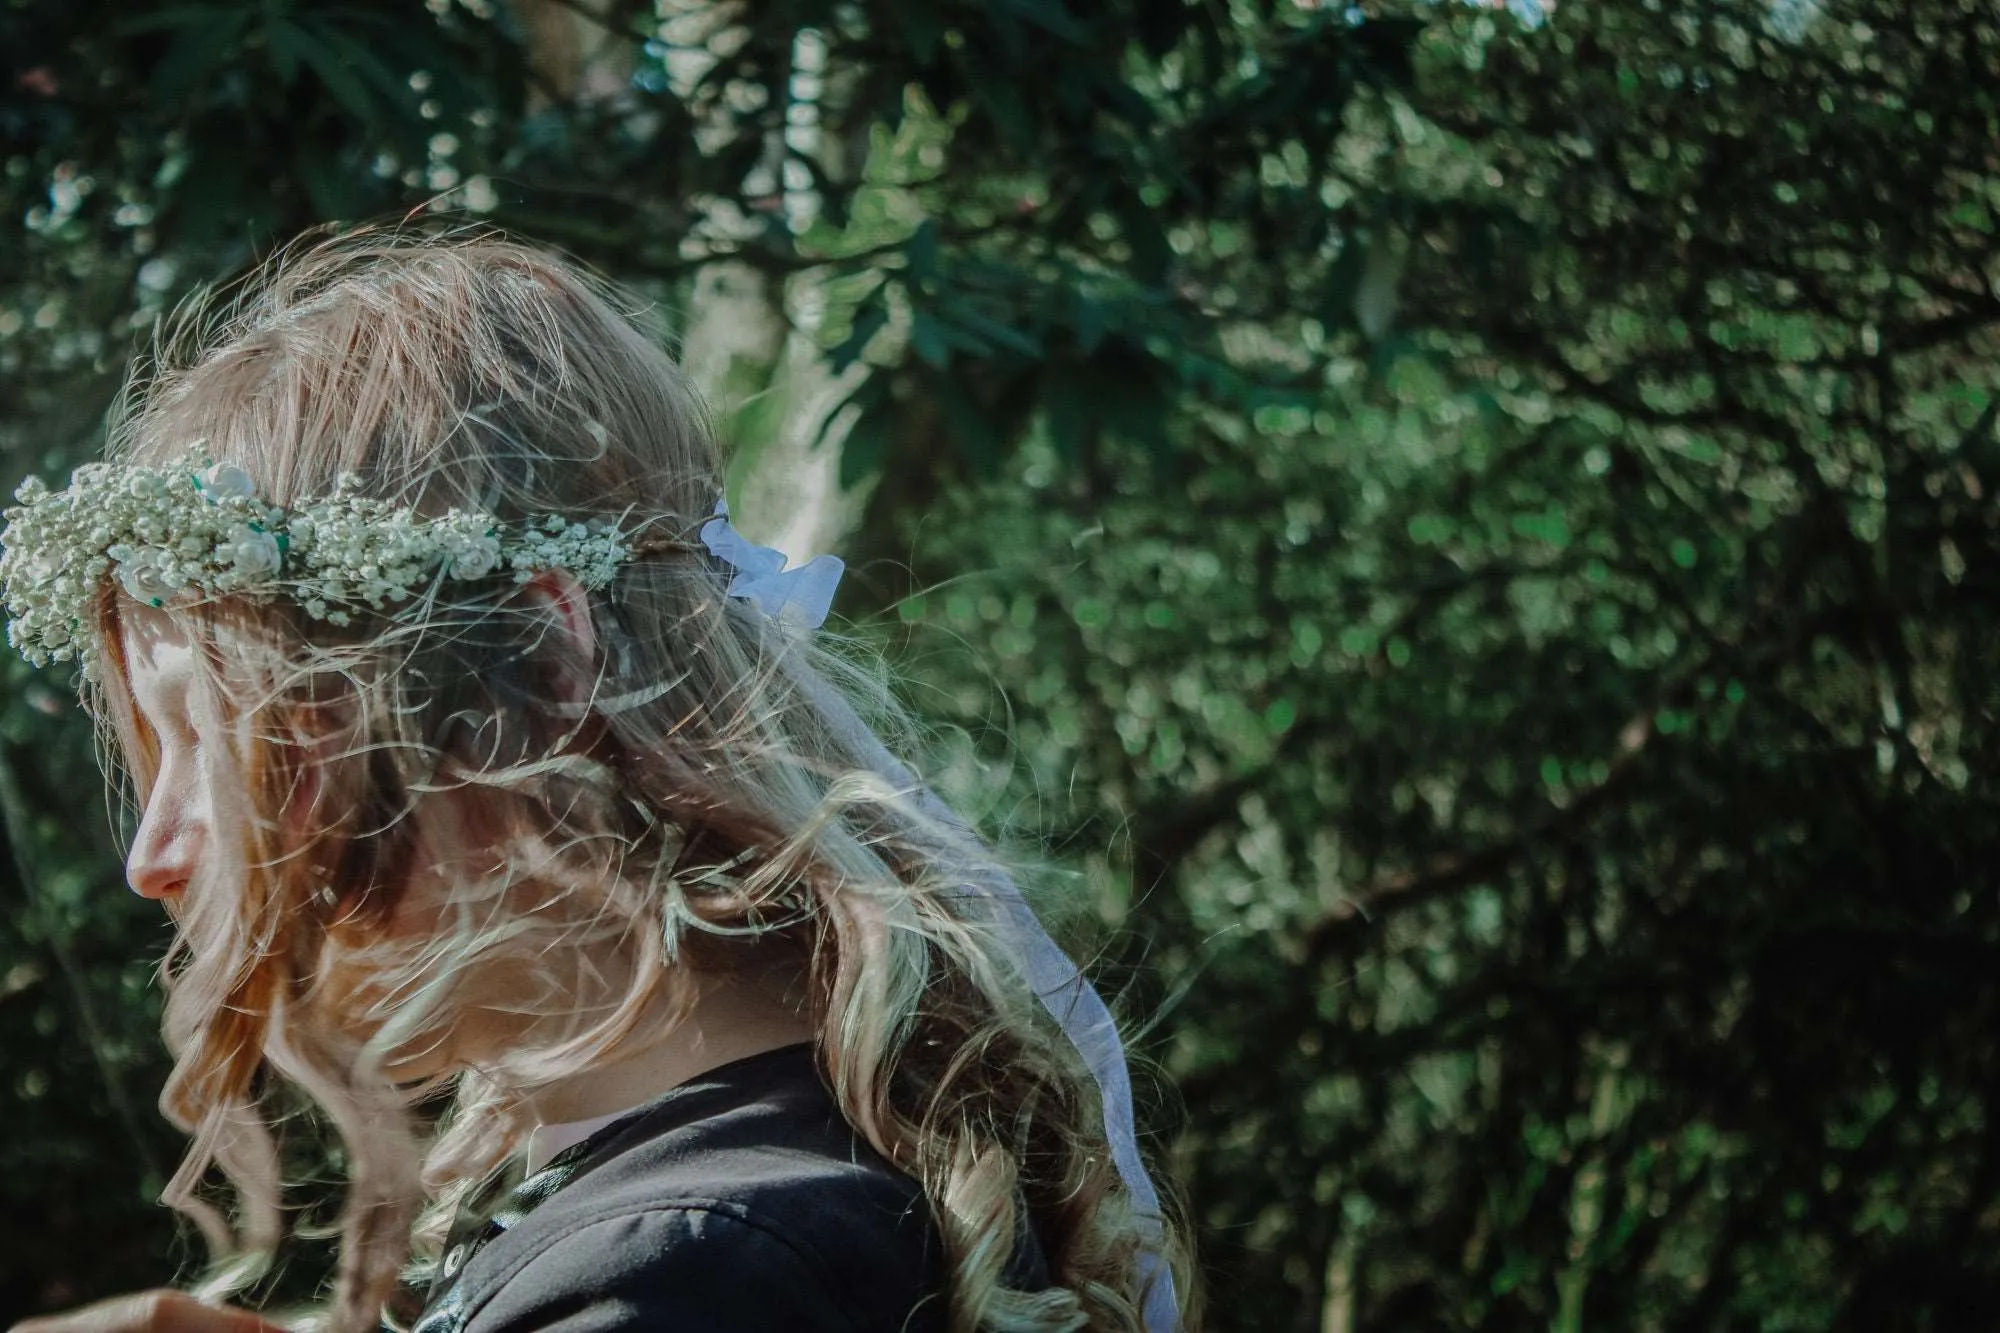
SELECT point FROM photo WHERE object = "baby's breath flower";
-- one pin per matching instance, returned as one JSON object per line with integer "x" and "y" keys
{"x": 200, "y": 530}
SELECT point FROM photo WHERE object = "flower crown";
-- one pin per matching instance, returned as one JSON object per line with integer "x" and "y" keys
{"x": 201, "y": 530}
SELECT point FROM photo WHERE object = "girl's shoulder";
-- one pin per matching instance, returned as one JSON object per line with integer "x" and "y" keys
{"x": 741, "y": 1200}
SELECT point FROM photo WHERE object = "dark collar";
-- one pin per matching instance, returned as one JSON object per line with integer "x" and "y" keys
{"x": 508, "y": 1194}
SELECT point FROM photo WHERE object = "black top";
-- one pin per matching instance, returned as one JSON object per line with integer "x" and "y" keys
{"x": 740, "y": 1200}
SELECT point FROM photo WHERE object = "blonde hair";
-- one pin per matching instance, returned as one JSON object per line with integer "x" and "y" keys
{"x": 698, "y": 813}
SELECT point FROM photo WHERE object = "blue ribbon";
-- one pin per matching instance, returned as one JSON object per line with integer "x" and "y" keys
{"x": 800, "y": 597}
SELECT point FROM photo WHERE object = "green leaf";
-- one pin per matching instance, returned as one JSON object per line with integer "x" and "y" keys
{"x": 1130, "y": 398}
{"x": 869, "y": 320}
{"x": 868, "y": 411}
{"x": 326, "y": 184}
{"x": 1343, "y": 283}
{"x": 920, "y": 252}
{"x": 990, "y": 331}
{"x": 173, "y": 16}
{"x": 920, "y": 25}
{"x": 866, "y": 445}
{"x": 332, "y": 47}
{"x": 1072, "y": 422}
{"x": 966, "y": 423}
{"x": 201, "y": 48}
{"x": 1982, "y": 429}
{"x": 1088, "y": 320}
{"x": 281, "y": 41}
{"x": 1008, "y": 110}
{"x": 336, "y": 74}
{"x": 1151, "y": 254}
{"x": 1383, "y": 48}
{"x": 930, "y": 340}
{"x": 1050, "y": 16}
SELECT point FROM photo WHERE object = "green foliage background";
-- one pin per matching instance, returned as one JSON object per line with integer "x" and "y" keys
{"x": 1472, "y": 534}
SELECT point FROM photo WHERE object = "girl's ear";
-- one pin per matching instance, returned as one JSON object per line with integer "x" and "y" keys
{"x": 569, "y": 639}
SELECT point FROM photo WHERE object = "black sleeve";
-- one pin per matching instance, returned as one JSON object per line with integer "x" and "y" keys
{"x": 686, "y": 1270}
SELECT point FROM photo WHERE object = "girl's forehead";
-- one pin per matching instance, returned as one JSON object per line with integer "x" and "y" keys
{"x": 158, "y": 670}
{"x": 159, "y": 665}
{"x": 152, "y": 641}
{"x": 169, "y": 666}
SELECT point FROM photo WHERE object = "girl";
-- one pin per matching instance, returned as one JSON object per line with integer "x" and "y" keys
{"x": 479, "y": 756}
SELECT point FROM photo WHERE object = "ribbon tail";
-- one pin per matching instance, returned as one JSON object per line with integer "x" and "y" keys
{"x": 801, "y": 597}
{"x": 1063, "y": 989}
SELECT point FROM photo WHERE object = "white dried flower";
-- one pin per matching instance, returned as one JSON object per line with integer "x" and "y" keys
{"x": 226, "y": 481}
{"x": 200, "y": 529}
{"x": 151, "y": 575}
{"x": 476, "y": 560}
{"x": 254, "y": 554}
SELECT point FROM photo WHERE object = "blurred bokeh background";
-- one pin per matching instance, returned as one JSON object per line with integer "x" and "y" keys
{"x": 1470, "y": 532}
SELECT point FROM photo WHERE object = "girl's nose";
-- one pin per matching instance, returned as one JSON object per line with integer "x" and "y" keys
{"x": 162, "y": 857}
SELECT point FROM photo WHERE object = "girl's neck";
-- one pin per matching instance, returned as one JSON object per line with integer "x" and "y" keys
{"x": 729, "y": 1018}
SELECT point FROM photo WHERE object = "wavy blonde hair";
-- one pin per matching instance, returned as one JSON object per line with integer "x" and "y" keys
{"x": 696, "y": 812}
